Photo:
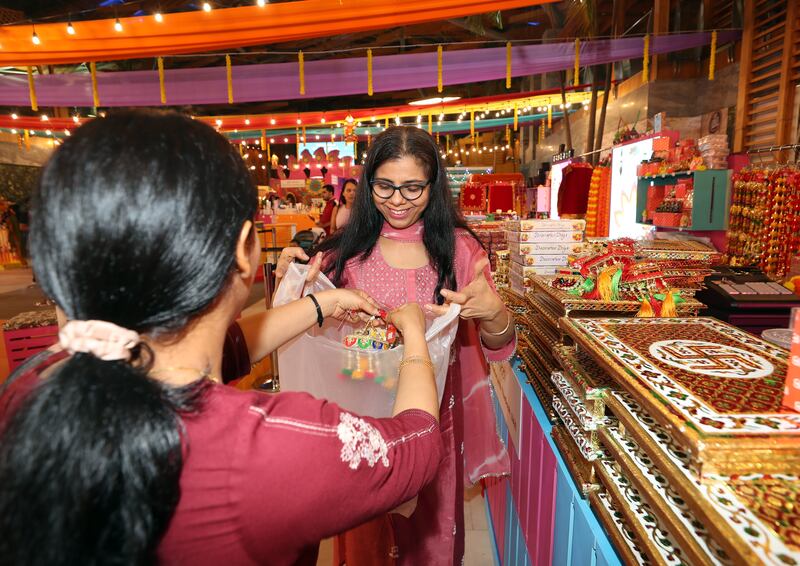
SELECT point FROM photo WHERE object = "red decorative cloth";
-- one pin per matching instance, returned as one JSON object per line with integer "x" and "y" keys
{"x": 573, "y": 193}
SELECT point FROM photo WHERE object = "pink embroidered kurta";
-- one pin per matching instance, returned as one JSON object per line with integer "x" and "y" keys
{"x": 433, "y": 535}
{"x": 266, "y": 477}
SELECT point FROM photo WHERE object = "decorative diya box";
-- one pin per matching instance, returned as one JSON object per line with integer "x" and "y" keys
{"x": 540, "y": 259}
{"x": 546, "y": 249}
{"x": 733, "y": 519}
{"x": 717, "y": 389}
{"x": 530, "y": 271}
{"x": 555, "y": 237}
{"x": 538, "y": 225}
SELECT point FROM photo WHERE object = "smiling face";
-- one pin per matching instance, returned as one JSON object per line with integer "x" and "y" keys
{"x": 399, "y": 212}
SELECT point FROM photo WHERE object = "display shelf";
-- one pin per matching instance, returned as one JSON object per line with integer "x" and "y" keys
{"x": 711, "y": 198}
{"x": 538, "y": 515}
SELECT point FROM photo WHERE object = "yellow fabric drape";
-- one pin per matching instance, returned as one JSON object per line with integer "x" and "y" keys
{"x": 229, "y": 78}
{"x": 646, "y": 60}
{"x": 32, "y": 90}
{"x": 369, "y": 72}
{"x": 263, "y": 140}
{"x": 576, "y": 76}
{"x": 712, "y": 63}
{"x": 439, "y": 69}
{"x": 516, "y": 118}
{"x": 508, "y": 64}
{"x": 225, "y": 29}
{"x": 302, "y": 72}
{"x": 430, "y": 123}
{"x": 93, "y": 73}
{"x": 549, "y": 116}
{"x": 162, "y": 91}
{"x": 472, "y": 123}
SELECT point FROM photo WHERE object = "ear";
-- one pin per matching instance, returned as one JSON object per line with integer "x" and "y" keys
{"x": 244, "y": 250}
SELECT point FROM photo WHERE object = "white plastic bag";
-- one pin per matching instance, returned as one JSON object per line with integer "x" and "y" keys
{"x": 313, "y": 362}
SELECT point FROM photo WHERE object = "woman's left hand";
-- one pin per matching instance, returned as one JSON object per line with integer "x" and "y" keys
{"x": 477, "y": 299}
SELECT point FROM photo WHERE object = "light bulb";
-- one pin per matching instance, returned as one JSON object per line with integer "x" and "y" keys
{"x": 260, "y": 3}
{"x": 247, "y": 121}
{"x": 67, "y": 133}
{"x": 14, "y": 116}
{"x": 159, "y": 17}
{"x": 13, "y": 131}
{"x": 118, "y": 25}
{"x": 206, "y": 6}
{"x": 322, "y": 121}
{"x": 70, "y": 29}
{"x": 76, "y": 119}
{"x": 45, "y": 118}
{"x": 271, "y": 140}
{"x": 219, "y": 122}
{"x": 299, "y": 121}
{"x": 285, "y": 140}
{"x": 35, "y": 39}
{"x": 48, "y": 132}
{"x": 272, "y": 121}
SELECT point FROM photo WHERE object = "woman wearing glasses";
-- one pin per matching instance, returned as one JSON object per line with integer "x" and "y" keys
{"x": 406, "y": 242}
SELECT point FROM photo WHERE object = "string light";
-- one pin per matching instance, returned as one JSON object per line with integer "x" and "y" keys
{"x": 48, "y": 132}
{"x": 118, "y": 25}
{"x": 261, "y": 3}
{"x": 219, "y": 122}
{"x": 13, "y": 131}
{"x": 67, "y": 132}
{"x": 285, "y": 140}
{"x": 271, "y": 140}
{"x": 247, "y": 121}
{"x": 322, "y": 121}
{"x": 45, "y": 118}
{"x": 35, "y": 36}
{"x": 206, "y": 6}
{"x": 272, "y": 121}
{"x": 299, "y": 121}
{"x": 70, "y": 28}
{"x": 14, "y": 116}
{"x": 159, "y": 17}
{"x": 76, "y": 119}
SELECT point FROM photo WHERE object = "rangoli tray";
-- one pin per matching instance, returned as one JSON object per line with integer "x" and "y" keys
{"x": 717, "y": 389}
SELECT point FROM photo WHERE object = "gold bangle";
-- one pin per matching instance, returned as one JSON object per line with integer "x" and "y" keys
{"x": 502, "y": 332}
{"x": 415, "y": 360}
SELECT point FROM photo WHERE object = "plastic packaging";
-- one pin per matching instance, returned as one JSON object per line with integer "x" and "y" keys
{"x": 364, "y": 382}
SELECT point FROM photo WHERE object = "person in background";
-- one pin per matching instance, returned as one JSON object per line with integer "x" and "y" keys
{"x": 151, "y": 460}
{"x": 410, "y": 244}
{"x": 328, "y": 211}
{"x": 345, "y": 205}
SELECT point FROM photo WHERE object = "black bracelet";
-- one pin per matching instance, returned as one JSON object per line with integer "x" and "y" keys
{"x": 320, "y": 318}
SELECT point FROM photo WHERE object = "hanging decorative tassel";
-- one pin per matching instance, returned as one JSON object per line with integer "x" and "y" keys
{"x": 646, "y": 310}
{"x": 576, "y": 78}
{"x": 646, "y": 60}
{"x": 386, "y": 122}
{"x": 508, "y": 64}
{"x": 549, "y": 116}
{"x": 712, "y": 63}
{"x": 369, "y": 72}
{"x": 162, "y": 91}
{"x": 302, "y": 72}
{"x": 516, "y": 118}
{"x": 93, "y": 73}
{"x": 32, "y": 91}
{"x": 304, "y": 134}
{"x": 263, "y": 140}
{"x": 439, "y": 83}
{"x": 668, "y": 309}
{"x": 608, "y": 283}
{"x": 27, "y": 136}
{"x": 229, "y": 78}
{"x": 430, "y": 123}
{"x": 269, "y": 157}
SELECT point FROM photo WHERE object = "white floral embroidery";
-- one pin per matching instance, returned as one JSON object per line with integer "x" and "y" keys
{"x": 452, "y": 401}
{"x": 454, "y": 530}
{"x": 360, "y": 441}
{"x": 462, "y": 447}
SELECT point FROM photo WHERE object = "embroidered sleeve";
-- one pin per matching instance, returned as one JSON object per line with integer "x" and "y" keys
{"x": 328, "y": 469}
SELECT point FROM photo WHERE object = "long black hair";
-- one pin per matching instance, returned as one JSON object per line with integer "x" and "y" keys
{"x": 441, "y": 218}
{"x": 135, "y": 221}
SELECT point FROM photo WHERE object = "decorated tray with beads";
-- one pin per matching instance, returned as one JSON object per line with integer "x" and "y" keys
{"x": 585, "y": 417}
{"x": 573, "y": 305}
{"x": 581, "y": 470}
{"x": 718, "y": 388}
{"x": 656, "y": 541}
{"x": 587, "y": 379}
{"x": 656, "y": 489}
{"x": 587, "y": 442}
{"x": 754, "y": 517}
{"x": 537, "y": 377}
{"x": 626, "y": 541}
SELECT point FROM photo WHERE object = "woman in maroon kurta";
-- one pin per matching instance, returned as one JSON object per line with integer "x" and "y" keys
{"x": 121, "y": 446}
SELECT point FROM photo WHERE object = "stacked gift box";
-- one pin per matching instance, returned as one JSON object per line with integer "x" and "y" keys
{"x": 540, "y": 247}
{"x": 714, "y": 149}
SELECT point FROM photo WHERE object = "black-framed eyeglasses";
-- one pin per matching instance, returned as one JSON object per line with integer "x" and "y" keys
{"x": 385, "y": 189}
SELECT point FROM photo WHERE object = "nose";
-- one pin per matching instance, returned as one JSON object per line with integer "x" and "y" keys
{"x": 397, "y": 199}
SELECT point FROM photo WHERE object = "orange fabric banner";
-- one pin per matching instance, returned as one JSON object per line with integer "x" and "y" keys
{"x": 227, "y": 28}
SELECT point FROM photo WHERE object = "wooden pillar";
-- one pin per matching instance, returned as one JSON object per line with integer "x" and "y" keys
{"x": 660, "y": 27}
{"x": 745, "y": 66}
{"x": 783, "y": 130}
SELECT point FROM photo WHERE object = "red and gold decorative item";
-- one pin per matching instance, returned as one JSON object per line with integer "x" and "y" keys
{"x": 599, "y": 203}
{"x": 473, "y": 197}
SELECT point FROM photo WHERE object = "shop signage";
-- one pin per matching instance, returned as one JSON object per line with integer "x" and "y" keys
{"x": 563, "y": 156}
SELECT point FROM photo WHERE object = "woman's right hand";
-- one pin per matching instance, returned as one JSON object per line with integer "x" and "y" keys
{"x": 408, "y": 318}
